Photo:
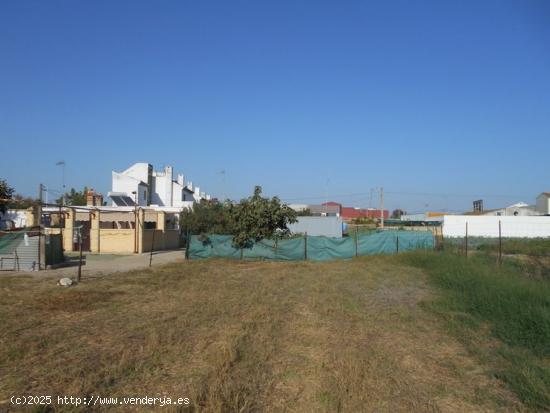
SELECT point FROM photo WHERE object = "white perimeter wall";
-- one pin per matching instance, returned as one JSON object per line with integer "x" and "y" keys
{"x": 487, "y": 226}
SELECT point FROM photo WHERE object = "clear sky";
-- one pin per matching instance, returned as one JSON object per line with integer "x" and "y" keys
{"x": 440, "y": 102}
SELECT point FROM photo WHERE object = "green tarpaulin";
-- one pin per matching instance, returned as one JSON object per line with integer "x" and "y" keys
{"x": 312, "y": 248}
{"x": 9, "y": 241}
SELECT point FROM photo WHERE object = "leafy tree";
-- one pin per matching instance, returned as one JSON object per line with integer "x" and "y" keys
{"x": 257, "y": 217}
{"x": 6, "y": 194}
{"x": 207, "y": 217}
{"x": 74, "y": 197}
{"x": 252, "y": 219}
{"x": 396, "y": 214}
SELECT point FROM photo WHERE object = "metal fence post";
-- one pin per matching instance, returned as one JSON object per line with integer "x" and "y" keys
{"x": 466, "y": 248}
{"x": 356, "y": 241}
{"x": 305, "y": 246}
{"x": 397, "y": 244}
{"x": 80, "y": 255}
{"x": 187, "y": 243}
{"x": 499, "y": 243}
{"x": 152, "y": 248}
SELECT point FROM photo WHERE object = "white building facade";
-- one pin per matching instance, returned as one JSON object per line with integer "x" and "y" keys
{"x": 140, "y": 184}
{"x": 520, "y": 209}
{"x": 543, "y": 203}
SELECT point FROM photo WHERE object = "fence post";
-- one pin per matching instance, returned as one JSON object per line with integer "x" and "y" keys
{"x": 356, "y": 241}
{"x": 187, "y": 243}
{"x": 152, "y": 248}
{"x": 499, "y": 243}
{"x": 305, "y": 246}
{"x": 397, "y": 243}
{"x": 466, "y": 249}
{"x": 80, "y": 254}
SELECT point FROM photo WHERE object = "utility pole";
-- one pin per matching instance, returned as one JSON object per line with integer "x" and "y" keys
{"x": 381, "y": 207}
{"x": 39, "y": 208}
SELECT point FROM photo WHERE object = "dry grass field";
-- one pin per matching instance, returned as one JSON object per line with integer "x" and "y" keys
{"x": 347, "y": 336}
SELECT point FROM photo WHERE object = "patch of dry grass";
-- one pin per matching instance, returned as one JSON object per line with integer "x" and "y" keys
{"x": 243, "y": 336}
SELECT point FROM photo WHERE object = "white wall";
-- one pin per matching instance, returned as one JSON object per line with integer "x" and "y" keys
{"x": 487, "y": 226}
{"x": 316, "y": 226}
{"x": 543, "y": 204}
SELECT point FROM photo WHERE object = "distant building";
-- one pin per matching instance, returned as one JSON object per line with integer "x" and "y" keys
{"x": 336, "y": 209}
{"x": 520, "y": 209}
{"x": 329, "y": 226}
{"x": 543, "y": 203}
{"x": 142, "y": 185}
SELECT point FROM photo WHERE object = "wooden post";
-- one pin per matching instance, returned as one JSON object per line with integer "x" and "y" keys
{"x": 499, "y": 243}
{"x": 152, "y": 248}
{"x": 356, "y": 241}
{"x": 305, "y": 246}
{"x": 466, "y": 248}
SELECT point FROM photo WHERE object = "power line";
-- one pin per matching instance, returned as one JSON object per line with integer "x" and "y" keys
{"x": 441, "y": 194}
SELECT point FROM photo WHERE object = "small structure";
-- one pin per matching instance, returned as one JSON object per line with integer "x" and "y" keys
{"x": 115, "y": 230}
{"x": 328, "y": 226}
{"x": 93, "y": 198}
{"x": 519, "y": 209}
{"x": 543, "y": 203}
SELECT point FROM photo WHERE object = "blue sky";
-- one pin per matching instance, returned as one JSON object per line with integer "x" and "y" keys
{"x": 439, "y": 102}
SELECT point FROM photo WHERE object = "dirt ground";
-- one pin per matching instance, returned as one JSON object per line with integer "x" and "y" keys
{"x": 94, "y": 264}
{"x": 346, "y": 336}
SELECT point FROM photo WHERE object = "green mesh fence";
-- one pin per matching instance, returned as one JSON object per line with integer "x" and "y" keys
{"x": 312, "y": 248}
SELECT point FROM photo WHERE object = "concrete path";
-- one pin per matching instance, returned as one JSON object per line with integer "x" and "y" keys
{"x": 96, "y": 264}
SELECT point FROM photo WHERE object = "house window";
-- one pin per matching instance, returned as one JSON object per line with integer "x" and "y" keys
{"x": 144, "y": 195}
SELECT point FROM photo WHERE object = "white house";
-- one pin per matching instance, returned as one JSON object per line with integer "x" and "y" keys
{"x": 141, "y": 184}
{"x": 543, "y": 203}
{"x": 520, "y": 209}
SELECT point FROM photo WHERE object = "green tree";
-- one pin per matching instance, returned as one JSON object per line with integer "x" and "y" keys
{"x": 256, "y": 218}
{"x": 6, "y": 194}
{"x": 207, "y": 217}
{"x": 252, "y": 219}
{"x": 74, "y": 197}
